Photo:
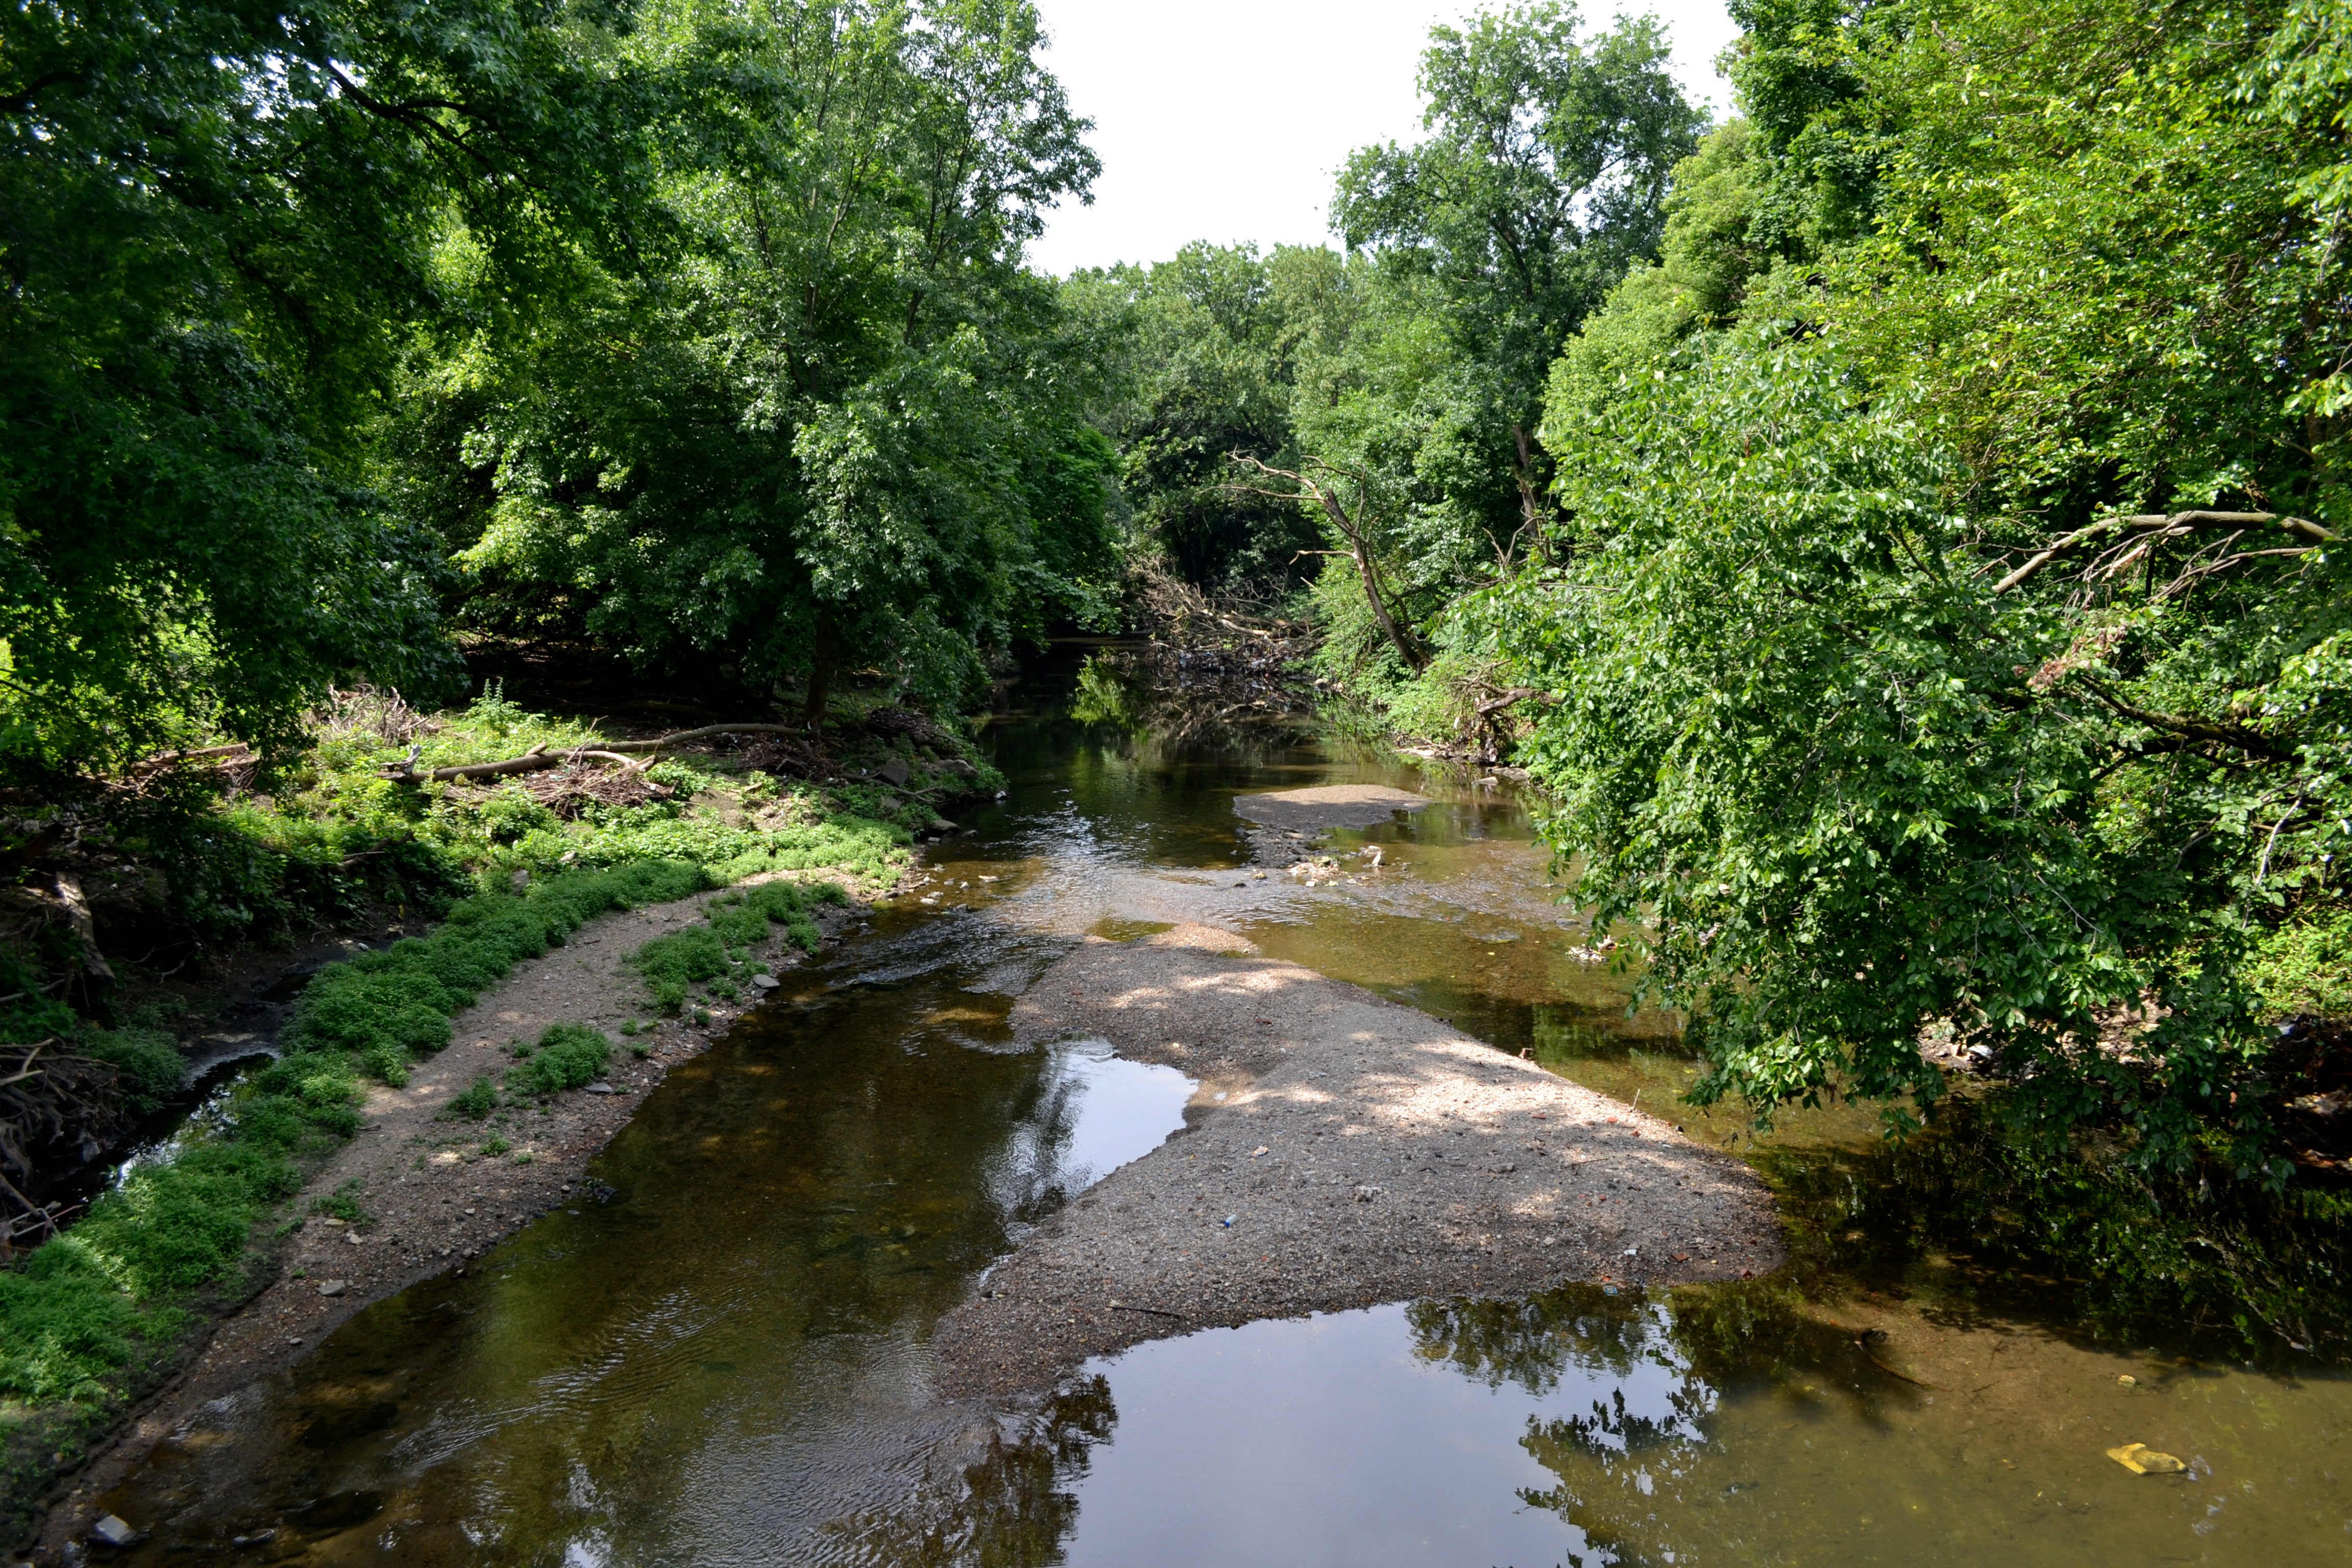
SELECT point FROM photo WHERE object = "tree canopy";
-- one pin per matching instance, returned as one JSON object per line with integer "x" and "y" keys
{"x": 1946, "y": 624}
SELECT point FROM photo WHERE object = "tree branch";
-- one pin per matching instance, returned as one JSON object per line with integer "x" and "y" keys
{"x": 1365, "y": 570}
{"x": 2231, "y": 735}
{"x": 2299, "y": 527}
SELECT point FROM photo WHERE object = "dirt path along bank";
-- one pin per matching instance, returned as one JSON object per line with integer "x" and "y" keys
{"x": 432, "y": 1198}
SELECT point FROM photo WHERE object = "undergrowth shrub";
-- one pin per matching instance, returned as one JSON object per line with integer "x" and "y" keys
{"x": 146, "y": 1062}
{"x": 566, "y": 1057}
{"x": 477, "y": 1100}
{"x": 387, "y": 1008}
{"x": 671, "y": 964}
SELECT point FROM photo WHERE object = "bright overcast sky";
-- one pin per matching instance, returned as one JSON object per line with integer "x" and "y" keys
{"x": 1225, "y": 119}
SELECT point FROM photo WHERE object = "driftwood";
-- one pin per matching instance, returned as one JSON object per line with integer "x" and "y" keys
{"x": 624, "y": 752}
{"x": 67, "y": 902}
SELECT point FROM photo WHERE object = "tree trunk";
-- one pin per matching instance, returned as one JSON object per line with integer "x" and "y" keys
{"x": 822, "y": 657}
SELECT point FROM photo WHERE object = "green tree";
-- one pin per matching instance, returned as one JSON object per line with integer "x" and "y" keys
{"x": 1210, "y": 344}
{"x": 214, "y": 227}
{"x": 1542, "y": 180}
{"x": 849, "y": 430}
{"x": 1943, "y": 645}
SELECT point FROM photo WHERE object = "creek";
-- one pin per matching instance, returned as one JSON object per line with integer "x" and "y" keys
{"x": 720, "y": 1355}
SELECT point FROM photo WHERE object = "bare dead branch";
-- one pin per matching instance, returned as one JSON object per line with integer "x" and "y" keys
{"x": 2177, "y": 522}
{"x": 1350, "y": 530}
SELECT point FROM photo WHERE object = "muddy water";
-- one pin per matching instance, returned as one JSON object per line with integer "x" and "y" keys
{"x": 721, "y": 1356}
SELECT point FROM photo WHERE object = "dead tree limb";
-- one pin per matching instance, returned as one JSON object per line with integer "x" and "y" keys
{"x": 239, "y": 750}
{"x": 77, "y": 909}
{"x": 1351, "y": 528}
{"x": 2183, "y": 520}
{"x": 539, "y": 757}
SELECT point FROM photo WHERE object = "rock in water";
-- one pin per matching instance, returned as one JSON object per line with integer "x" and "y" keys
{"x": 112, "y": 1531}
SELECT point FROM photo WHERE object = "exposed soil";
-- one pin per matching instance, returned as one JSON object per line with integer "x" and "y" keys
{"x": 432, "y": 1198}
{"x": 1343, "y": 1151}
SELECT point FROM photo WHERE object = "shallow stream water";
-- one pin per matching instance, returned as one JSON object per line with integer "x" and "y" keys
{"x": 722, "y": 1355}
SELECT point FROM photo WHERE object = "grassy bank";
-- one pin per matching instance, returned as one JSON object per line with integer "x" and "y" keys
{"x": 503, "y": 869}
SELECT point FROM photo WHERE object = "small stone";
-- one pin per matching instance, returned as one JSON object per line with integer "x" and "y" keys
{"x": 895, "y": 771}
{"x": 600, "y": 1088}
{"x": 766, "y": 982}
{"x": 112, "y": 1531}
{"x": 353, "y": 1238}
{"x": 2128, "y": 1381}
{"x": 333, "y": 1287}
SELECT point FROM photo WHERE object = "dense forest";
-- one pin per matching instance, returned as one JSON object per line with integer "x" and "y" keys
{"x": 1896, "y": 526}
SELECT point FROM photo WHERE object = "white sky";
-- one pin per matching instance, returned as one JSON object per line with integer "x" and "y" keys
{"x": 1226, "y": 119}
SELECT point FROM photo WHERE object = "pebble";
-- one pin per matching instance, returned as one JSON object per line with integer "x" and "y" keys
{"x": 600, "y": 1088}
{"x": 333, "y": 1287}
{"x": 112, "y": 1531}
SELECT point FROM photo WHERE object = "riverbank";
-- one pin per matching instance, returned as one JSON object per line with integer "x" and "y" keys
{"x": 1341, "y": 1151}
{"x": 112, "y": 1311}
{"x": 420, "y": 1190}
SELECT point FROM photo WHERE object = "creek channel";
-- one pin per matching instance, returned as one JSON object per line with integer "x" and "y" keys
{"x": 721, "y": 1357}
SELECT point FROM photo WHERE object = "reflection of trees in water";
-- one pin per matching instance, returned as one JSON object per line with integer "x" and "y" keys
{"x": 1013, "y": 1507}
{"x": 1661, "y": 1366}
{"x": 1530, "y": 1342}
{"x": 1169, "y": 711}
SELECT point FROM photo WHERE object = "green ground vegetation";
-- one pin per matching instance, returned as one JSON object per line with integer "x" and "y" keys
{"x": 714, "y": 955}
{"x": 89, "y": 1319}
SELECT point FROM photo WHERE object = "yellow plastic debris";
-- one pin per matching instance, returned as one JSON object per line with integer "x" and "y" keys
{"x": 2142, "y": 1460}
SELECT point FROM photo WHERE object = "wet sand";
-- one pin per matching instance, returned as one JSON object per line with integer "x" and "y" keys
{"x": 1341, "y": 1152}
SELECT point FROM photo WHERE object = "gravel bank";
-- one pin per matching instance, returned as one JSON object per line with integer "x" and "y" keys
{"x": 1341, "y": 1152}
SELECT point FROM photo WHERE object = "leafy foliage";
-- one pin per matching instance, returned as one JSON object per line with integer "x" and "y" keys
{"x": 216, "y": 239}
{"x": 672, "y": 964}
{"x": 1874, "y": 765}
{"x": 564, "y": 1057}
{"x": 848, "y": 432}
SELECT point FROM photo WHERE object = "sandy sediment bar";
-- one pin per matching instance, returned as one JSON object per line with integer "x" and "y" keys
{"x": 1343, "y": 1151}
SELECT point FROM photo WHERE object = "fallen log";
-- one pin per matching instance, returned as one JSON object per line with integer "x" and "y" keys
{"x": 621, "y": 751}
{"x": 236, "y": 751}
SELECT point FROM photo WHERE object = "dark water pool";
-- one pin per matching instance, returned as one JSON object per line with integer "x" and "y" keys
{"x": 727, "y": 1362}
